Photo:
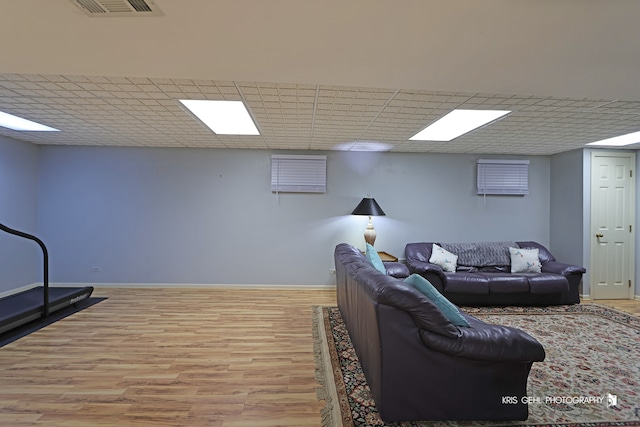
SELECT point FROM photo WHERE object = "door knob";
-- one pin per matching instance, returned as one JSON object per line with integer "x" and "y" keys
{"x": 598, "y": 235}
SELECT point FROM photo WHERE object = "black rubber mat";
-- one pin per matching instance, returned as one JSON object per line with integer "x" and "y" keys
{"x": 35, "y": 325}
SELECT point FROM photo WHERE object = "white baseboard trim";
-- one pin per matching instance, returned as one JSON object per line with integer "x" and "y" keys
{"x": 588, "y": 297}
{"x": 171, "y": 285}
{"x": 195, "y": 285}
{"x": 585, "y": 297}
{"x": 18, "y": 290}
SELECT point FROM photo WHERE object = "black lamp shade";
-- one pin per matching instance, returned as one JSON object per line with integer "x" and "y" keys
{"x": 368, "y": 206}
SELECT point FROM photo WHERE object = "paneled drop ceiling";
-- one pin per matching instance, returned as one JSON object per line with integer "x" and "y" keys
{"x": 348, "y": 75}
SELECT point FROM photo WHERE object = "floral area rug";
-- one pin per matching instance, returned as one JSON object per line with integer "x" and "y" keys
{"x": 589, "y": 378}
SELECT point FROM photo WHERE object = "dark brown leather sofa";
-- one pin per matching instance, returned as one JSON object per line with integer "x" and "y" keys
{"x": 419, "y": 365}
{"x": 558, "y": 283}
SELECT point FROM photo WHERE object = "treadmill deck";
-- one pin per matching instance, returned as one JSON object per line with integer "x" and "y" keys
{"x": 26, "y": 306}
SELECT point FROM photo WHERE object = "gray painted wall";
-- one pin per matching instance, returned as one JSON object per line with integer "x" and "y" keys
{"x": 208, "y": 216}
{"x": 567, "y": 213}
{"x": 164, "y": 215}
{"x": 20, "y": 259}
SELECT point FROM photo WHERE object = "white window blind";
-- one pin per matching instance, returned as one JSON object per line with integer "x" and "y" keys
{"x": 298, "y": 173}
{"x": 503, "y": 176}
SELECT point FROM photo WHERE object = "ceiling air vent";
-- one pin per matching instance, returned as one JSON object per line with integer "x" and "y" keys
{"x": 118, "y": 8}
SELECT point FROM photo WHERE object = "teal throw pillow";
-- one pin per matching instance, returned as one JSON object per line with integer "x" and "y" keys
{"x": 450, "y": 311}
{"x": 374, "y": 258}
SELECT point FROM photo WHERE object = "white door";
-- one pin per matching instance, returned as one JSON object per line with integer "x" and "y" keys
{"x": 612, "y": 216}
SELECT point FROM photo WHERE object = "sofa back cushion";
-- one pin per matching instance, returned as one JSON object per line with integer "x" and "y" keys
{"x": 384, "y": 289}
{"x": 543, "y": 253}
{"x": 481, "y": 254}
{"x": 423, "y": 286}
{"x": 419, "y": 252}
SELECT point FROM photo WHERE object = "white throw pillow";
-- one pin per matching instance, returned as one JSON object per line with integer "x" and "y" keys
{"x": 443, "y": 258}
{"x": 525, "y": 260}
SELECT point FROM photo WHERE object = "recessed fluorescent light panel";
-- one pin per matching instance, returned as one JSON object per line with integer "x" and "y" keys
{"x": 223, "y": 117}
{"x": 618, "y": 141}
{"x": 456, "y": 123}
{"x": 363, "y": 146}
{"x": 18, "y": 123}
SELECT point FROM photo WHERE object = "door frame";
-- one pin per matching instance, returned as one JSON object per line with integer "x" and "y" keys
{"x": 632, "y": 218}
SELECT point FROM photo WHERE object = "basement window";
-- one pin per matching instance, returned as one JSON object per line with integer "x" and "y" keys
{"x": 507, "y": 177}
{"x": 298, "y": 173}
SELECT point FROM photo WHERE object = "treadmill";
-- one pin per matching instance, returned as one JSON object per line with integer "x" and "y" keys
{"x": 40, "y": 301}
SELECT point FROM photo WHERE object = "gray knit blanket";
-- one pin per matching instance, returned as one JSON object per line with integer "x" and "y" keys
{"x": 481, "y": 254}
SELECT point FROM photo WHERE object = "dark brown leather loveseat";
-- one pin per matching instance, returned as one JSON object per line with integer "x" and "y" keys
{"x": 419, "y": 365}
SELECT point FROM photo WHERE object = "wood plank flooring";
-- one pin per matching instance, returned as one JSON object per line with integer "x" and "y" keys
{"x": 629, "y": 306}
{"x": 169, "y": 357}
{"x": 173, "y": 357}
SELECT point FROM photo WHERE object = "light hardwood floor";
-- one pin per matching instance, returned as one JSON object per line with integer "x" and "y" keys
{"x": 173, "y": 357}
{"x": 629, "y": 306}
{"x": 169, "y": 357}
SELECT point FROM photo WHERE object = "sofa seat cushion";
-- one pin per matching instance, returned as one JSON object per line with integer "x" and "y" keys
{"x": 546, "y": 283}
{"x": 506, "y": 283}
{"x": 466, "y": 283}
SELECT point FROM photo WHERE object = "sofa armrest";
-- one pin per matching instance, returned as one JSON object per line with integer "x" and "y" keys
{"x": 396, "y": 269}
{"x": 487, "y": 342}
{"x": 432, "y": 272}
{"x": 561, "y": 268}
{"x": 421, "y": 267}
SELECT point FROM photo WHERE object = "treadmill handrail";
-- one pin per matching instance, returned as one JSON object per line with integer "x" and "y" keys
{"x": 45, "y": 254}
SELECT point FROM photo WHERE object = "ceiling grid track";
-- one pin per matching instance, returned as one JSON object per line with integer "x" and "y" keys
{"x": 138, "y": 111}
{"x": 313, "y": 117}
{"x": 248, "y": 107}
{"x": 359, "y": 138}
